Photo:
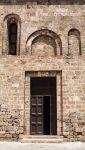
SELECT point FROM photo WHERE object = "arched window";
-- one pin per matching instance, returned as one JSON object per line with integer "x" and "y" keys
{"x": 12, "y": 37}
{"x": 74, "y": 42}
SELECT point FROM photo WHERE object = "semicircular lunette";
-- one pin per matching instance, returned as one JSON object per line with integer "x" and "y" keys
{"x": 44, "y": 43}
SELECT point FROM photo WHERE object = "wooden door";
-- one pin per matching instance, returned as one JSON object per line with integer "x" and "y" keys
{"x": 40, "y": 115}
{"x": 36, "y": 115}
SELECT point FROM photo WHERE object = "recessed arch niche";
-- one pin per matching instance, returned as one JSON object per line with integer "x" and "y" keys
{"x": 44, "y": 43}
{"x": 74, "y": 42}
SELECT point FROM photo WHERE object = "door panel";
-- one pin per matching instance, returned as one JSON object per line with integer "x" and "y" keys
{"x": 37, "y": 115}
{"x": 33, "y": 129}
{"x": 43, "y": 115}
{"x": 39, "y": 100}
{"x": 40, "y": 115}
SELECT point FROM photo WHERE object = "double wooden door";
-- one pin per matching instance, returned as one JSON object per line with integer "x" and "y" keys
{"x": 42, "y": 116}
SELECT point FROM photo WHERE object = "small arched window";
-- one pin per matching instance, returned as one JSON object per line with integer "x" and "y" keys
{"x": 12, "y": 37}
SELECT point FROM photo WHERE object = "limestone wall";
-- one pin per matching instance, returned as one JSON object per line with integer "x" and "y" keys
{"x": 52, "y": 38}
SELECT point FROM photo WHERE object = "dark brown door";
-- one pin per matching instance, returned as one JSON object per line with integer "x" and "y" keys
{"x": 36, "y": 115}
{"x": 43, "y": 106}
{"x": 43, "y": 115}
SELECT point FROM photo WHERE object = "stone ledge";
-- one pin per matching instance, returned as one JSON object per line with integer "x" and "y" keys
{"x": 40, "y": 139}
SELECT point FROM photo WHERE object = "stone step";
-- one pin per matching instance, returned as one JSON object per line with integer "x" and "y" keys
{"x": 39, "y": 136}
{"x": 40, "y": 139}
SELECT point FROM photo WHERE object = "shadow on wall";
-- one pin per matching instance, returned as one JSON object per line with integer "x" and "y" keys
{"x": 44, "y": 2}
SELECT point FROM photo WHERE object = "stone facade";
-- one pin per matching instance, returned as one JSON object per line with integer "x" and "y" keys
{"x": 51, "y": 42}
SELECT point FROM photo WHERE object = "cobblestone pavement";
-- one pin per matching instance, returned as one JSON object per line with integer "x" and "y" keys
{"x": 35, "y": 146}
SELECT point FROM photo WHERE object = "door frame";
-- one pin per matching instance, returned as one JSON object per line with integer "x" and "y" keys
{"x": 59, "y": 98}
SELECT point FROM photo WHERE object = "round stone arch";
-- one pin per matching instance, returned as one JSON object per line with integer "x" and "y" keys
{"x": 11, "y": 18}
{"x": 45, "y": 33}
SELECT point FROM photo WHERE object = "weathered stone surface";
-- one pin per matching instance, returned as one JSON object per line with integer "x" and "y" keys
{"x": 52, "y": 38}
